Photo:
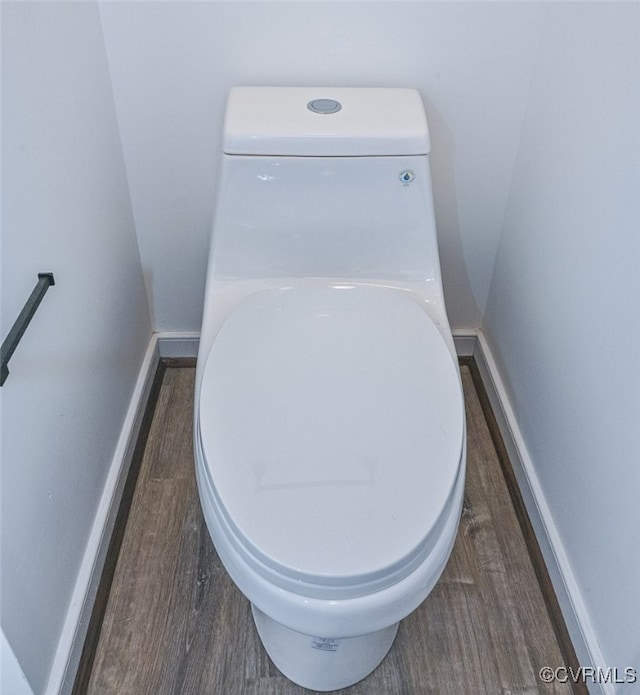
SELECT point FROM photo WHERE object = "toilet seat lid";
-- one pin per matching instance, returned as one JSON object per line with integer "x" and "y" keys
{"x": 332, "y": 422}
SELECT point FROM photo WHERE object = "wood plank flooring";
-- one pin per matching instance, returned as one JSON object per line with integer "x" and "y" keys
{"x": 175, "y": 623}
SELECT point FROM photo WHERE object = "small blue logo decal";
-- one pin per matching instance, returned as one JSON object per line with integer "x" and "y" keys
{"x": 406, "y": 176}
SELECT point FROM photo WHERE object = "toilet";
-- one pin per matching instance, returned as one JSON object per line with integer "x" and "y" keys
{"x": 329, "y": 429}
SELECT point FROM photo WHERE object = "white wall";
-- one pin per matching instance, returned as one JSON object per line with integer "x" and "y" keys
{"x": 172, "y": 64}
{"x": 563, "y": 318}
{"x": 12, "y": 678}
{"x": 66, "y": 209}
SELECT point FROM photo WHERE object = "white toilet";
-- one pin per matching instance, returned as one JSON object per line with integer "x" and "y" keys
{"x": 329, "y": 417}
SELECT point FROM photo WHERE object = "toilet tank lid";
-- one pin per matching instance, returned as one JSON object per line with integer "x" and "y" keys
{"x": 325, "y": 122}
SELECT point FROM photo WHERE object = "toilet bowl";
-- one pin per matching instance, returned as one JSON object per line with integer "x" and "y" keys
{"x": 329, "y": 428}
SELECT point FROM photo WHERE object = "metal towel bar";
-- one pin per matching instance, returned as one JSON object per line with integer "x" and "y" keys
{"x": 45, "y": 280}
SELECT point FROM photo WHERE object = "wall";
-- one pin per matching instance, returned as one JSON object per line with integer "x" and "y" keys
{"x": 12, "y": 678}
{"x": 172, "y": 64}
{"x": 562, "y": 316}
{"x": 66, "y": 209}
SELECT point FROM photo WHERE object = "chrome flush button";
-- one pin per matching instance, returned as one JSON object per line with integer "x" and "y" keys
{"x": 324, "y": 106}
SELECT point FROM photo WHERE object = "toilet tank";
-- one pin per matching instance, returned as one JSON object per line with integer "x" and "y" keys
{"x": 325, "y": 183}
{"x": 335, "y": 122}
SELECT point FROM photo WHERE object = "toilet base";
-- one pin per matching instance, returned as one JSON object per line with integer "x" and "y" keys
{"x": 322, "y": 663}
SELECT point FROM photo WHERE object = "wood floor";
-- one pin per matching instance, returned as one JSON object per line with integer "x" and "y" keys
{"x": 175, "y": 623}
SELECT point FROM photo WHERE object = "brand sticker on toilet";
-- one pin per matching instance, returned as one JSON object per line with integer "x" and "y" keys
{"x": 325, "y": 644}
{"x": 406, "y": 176}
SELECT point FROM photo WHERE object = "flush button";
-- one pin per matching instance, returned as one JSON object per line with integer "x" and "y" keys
{"x": 324, "y": 106}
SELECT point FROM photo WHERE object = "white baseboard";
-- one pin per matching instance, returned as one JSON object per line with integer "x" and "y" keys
{"x": 577, "y": 620}
{"x": 465, "y": 340}
{"x": 71, "y": 642}
{"x": 178, "y": 345}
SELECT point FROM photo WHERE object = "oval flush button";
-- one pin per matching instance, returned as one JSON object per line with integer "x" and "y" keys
{"x": 324, "y": 106}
